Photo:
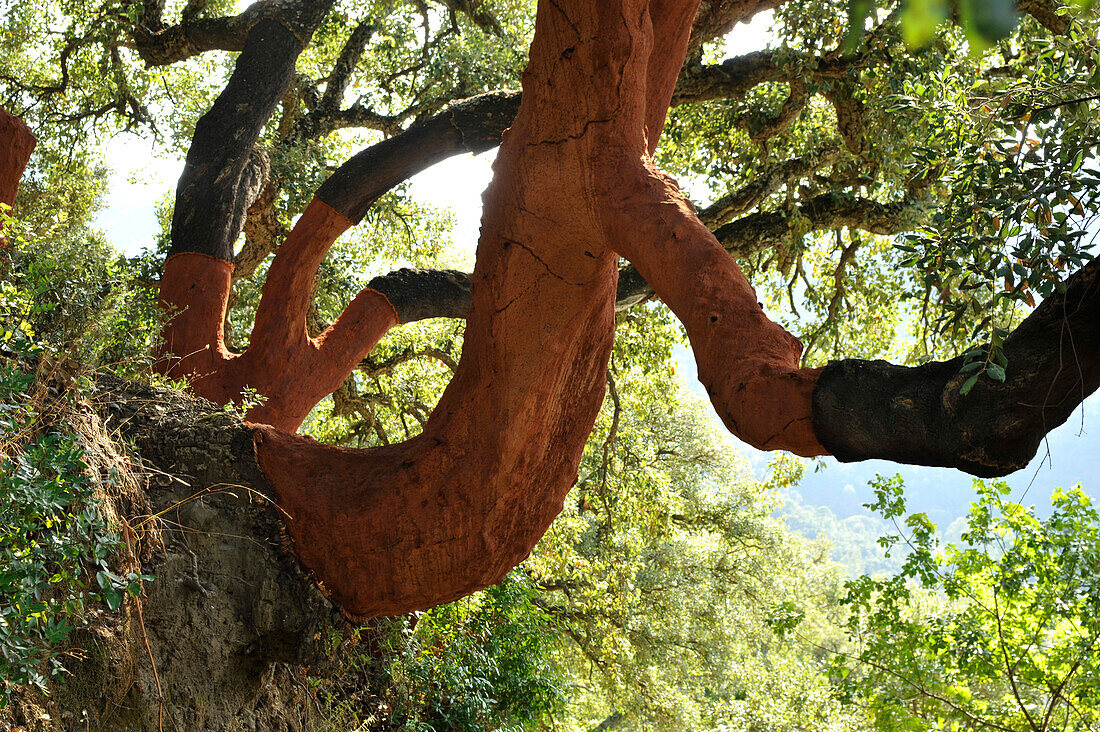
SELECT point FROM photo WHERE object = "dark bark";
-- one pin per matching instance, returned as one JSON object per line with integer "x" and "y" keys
{"x": 752, "y": 233}
{"x": 212, "y": 195}
{"x": 230, "y": 626}
{"x": 734, "y": 77}
{"x": 873, "y": 409}
{"x": 173, "y": 44}
{"x": 1046, "y": 13}
{"x": 473, "y": 125}
{"x": 418, "y": 294}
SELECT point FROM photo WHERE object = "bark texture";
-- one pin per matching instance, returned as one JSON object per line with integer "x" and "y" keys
{"x": 408, "y": 526}
{"x": 16, "y": 145}
{"x": 874, "y": 409}
{"x": 211, "y": 198}
{"x": 224, "y": 636}
{"x": 282, "y": 360}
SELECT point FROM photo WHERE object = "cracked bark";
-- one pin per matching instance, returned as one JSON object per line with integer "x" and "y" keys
{"x": 382, "y": 528}
{"x": 410, "y": 525}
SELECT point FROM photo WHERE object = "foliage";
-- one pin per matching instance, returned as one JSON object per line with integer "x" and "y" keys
{"x": 57, "y": 550}
{"x": 997, "y": 632}
{"x": 482, "y": 663}
{"x": 1022, "y": 196}
{"x": 666, "y": 571}
{"x": 80, "y": 298}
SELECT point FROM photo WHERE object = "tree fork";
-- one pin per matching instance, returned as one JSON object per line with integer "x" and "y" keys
{"x": 407, "y": 526}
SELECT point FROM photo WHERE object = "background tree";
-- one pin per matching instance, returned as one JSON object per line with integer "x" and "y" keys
{"x": 996, "y": 632}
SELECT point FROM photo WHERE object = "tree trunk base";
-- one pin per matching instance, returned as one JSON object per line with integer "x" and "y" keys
{"x": 231, "y": 622}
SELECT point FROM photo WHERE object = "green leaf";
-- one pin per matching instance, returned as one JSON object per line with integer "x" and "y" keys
{"x": 113, "y": 598}
{"x": 919, "y": 19}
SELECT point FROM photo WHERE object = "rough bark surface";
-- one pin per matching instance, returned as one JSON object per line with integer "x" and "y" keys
{"x": 16, "y": 144}
{"x": 408, "y": 526}
{"x": 210, "y": 199}
{"x": 874, "y": 409}
{"x": 282, "y": 360}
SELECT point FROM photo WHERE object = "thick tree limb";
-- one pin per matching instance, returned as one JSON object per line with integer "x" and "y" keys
{"x": 474, "y": 11}
{"x": 211, "y": 198}
{"x": 161, "y": 45}
{"x": 873, "y": 409}
{"x": 751, "y": 234}
{"x": 716, "y": 18}
{"x": 472, "y": 125}
{"x": 757, "y": 231}
{"x": 767, "y": 182}
{"x": 418, "y": 294}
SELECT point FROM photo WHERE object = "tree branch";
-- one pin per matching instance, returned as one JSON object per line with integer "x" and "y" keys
{"x": 160, "y": 45}
{"x": 873, "y": 409}
{"x": 213, "y": 193}
{"x": 472, "y": 125}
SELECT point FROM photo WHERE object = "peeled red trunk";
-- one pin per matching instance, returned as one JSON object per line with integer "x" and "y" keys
{"x": 408, "y": 526}
{"x": 281, "y": 361}
{"x": 16, "y": 145}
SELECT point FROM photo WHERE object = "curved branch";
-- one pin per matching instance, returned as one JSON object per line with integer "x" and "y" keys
{"x": 475, "y": 12}
{"x": 160, "y": 45}
{"x": 734, "y": 77}
{"x": 716, "y": 18}
{"x": 743, "y": 200}
{"x": 750, "y": 234}
{"x": 210, "y": 199}
{"x": 407, "y": 526}
{"x": 873, "y": 409}
{"x": 473, "y": 125}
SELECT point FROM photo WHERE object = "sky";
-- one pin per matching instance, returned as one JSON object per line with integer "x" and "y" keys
{"x": 140, "y": 179}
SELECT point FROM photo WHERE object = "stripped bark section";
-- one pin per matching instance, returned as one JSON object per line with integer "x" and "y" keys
{"x": 282, "y": 363}
{"x": 16, "y": 145}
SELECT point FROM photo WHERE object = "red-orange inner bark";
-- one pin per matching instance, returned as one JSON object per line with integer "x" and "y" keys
{"x": 282, "y": 363}
{"x": 16, "y": 145}
{"x": 407, "y": 526}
